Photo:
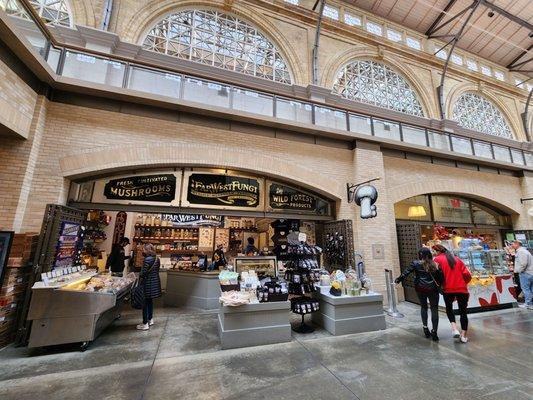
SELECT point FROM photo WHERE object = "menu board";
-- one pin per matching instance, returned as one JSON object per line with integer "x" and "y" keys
{"x": 67, "y": 245}
{"x": 206, "y": 240}
{"x": 222, "y": 237}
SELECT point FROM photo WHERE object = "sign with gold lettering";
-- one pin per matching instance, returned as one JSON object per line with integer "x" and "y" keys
{"x": 154, "y": 188}
{"x": 223, "y": 190}
{"x": 287, "y": 198}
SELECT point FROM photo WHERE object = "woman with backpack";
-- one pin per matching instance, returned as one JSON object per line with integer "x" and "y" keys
{"x": 428, "y": 278}
{"x": 455, "y": 287}
{"x": 150, "y": 281}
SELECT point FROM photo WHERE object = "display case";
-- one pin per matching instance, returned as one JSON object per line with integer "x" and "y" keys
{"x": 74, "y": 306}
{"x": 263, "y": 266}
{"x": 484, "y": 262}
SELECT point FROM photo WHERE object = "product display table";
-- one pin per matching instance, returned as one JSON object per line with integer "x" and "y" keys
{"x": 192, "y": 289}
{"x": 254, "y": 324}
{"x": 342, "y": 315}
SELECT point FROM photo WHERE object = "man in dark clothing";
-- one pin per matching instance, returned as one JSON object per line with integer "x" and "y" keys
{"x": 219, "y": 259}
{"x": 117, "y": 257}
{"x": 250, "y": 248}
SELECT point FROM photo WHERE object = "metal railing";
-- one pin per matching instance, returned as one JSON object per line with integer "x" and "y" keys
{"x": 116, "y": 71}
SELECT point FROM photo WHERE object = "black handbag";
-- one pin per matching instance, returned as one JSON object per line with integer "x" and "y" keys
{"x": 137, "y": 297}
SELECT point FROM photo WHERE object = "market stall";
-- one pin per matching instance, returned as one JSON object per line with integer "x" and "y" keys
{"x": 74, "y": 305}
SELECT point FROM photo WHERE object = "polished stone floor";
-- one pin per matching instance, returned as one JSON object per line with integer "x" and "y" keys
{"x": 180, "y": 358}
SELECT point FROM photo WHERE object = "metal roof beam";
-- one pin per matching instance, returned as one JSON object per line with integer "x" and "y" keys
{"x": 440, "y": 17}
{"x": 508, "y": 15}
{"x": 513, "y": 64}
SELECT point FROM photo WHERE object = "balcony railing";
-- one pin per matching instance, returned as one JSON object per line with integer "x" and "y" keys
{"x": 114, "y": 72}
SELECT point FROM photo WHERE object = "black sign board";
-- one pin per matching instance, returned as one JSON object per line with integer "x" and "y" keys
{"x": 223, "y": 190}
{"x": 283, "y": 197}
{"x": 159, "y": 188}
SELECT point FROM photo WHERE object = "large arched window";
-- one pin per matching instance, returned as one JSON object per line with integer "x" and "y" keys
{"x": 53, "y": 12}
{"x": 221, "y": 40}
{"x": 474, "y": 112}
{"x": 375, "y": 83}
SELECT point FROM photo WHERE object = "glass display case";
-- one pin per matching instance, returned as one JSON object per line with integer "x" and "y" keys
{"x": 263, "y": 266}
{"x": 484, "y": 262}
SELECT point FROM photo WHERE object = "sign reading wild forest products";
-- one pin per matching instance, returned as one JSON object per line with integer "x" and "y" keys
{"x": 283, "y": 197}
{"x": 223, "y": 190}
{"x": 160, "y": 188}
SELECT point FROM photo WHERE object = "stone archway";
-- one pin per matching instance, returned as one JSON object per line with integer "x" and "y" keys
{"x": 122, "y": 158}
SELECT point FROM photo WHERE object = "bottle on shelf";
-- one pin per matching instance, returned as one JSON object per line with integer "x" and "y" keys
{"x": 157, "y": 220}
{"x": 139, "y": 220}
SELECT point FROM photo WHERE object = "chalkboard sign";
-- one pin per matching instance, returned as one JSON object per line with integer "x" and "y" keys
{"x": 223, "y": 190}
{"x": 159, "y": 188}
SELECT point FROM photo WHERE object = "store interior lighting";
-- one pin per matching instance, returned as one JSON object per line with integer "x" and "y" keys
{"x": 416, "y": 211}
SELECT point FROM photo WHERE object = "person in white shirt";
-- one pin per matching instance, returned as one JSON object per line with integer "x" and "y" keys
{"x": 523, "y": 265}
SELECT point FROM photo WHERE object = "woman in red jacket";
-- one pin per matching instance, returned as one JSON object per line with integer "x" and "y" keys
{"x": 455, "y": 287}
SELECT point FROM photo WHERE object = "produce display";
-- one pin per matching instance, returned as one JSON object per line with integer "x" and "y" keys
{"x": 103, "y": 283}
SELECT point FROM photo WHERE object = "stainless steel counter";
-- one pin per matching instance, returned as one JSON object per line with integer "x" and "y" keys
{"x": 192, "y": 289}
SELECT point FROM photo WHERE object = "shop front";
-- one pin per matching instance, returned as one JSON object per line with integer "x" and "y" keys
{"x": 273, "y": 240}
{"x": 473, "y": 231}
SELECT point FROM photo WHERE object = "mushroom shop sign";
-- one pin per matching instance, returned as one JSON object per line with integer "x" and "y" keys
{"x": 364, "y": 195}
{"x": 160, "y": 188}
{"x": 223, "y": 190}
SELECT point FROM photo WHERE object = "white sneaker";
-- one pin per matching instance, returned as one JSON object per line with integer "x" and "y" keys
{"x": 151, "y": 322}
{"x": 464, "y": 339}
{"x": 456, "y": 334}
{"x": 143, "y": 327}
{"x": 522, "y": 305}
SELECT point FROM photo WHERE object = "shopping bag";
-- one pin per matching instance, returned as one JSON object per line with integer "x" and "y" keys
{"x": 137, "y": 295}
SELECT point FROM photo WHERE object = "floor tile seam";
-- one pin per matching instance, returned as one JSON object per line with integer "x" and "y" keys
{"x": 147, "y": 380}
{"x": 479, "y": 363}
{"x": 74, "y": 373}
{"x": 327, "y": 369}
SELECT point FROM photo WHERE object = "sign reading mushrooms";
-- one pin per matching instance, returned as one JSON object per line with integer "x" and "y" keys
{"x": 223, "y": 190}
{"x": 159, "y": 188}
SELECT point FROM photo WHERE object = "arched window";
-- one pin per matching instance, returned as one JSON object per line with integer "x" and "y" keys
{"x": 53, "y": 12}
{"x": 221, "y": 40}
{"x": 472, "y": 111}
{"x": 375, "y": 83}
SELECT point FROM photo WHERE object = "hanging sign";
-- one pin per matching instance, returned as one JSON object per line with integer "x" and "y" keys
{"x": 223, "y": 190}
{"x": 67, "y": 245}
{"x": 193, "y": 219}
{"x": 283, "y": 197}
{"x": 154, "y": 188}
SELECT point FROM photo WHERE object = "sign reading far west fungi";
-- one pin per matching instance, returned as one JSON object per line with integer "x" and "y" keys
{"x": 223, "y": 190}
{"x": 160, "y": 188}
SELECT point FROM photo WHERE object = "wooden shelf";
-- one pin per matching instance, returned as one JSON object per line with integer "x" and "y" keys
{"x": 166, "y": 239}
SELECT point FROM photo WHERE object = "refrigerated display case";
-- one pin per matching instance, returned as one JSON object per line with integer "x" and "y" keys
{"x": 75, "y": 306}
{"x": 492, "y": 283}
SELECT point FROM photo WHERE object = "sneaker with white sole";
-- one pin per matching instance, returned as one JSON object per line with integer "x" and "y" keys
{"x": 523, "y": 305}
{"x": 143, "y": 327}
{"x": 456, "y": 334}
{"x": 151, "y": 322}
{"x": 464, "y": 339}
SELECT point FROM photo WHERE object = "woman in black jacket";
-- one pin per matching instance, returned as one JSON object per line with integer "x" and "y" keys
{"x": 428, "y": 278}
{"x": 149, "y": 278}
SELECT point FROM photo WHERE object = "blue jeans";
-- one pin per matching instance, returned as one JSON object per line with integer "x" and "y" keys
{"x": 148, "y": 310}
{"x": 526, "y": 281}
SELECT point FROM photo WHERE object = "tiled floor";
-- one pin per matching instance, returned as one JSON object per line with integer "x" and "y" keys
{"x": 180, "y": 358}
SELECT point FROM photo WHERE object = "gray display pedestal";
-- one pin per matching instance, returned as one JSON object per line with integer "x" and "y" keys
{"x": 193, "y": 289}
{"x": 349, "y": 314}
{"x": 254, "y": 324}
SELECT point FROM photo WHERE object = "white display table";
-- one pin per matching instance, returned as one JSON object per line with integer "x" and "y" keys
{"x": 342, "y": 315}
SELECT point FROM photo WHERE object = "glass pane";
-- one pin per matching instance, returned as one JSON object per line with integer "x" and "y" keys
{"x": 386, "y": 129}
{"x": 501, "y": 153}
{"x": 360, "y": 124}
{"x": 517, "y": 157}
{"x": 451, "y": 209}
{"x": 439, "y": 140}
{"x": 414, "y": 135}
{"x": 415, "y": 208}
{"x": 330, "y": 118}
{"x": 250, "y": 101}
{"x": 155, "y": 82}
{"x": 93, "y": 69}
{"x": 482, "y": 149}
{"x": 206, "y": 92}
{"x": 483, "y": 216}
{"x": 461, "y": 145}
{"x": 53, "y": 58}
{"x": 529, "y": 158}
{"x": 294, "y": 111}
